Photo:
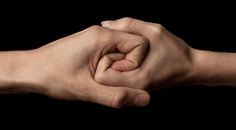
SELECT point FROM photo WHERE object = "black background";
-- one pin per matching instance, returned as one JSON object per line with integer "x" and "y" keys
{"x": 208, "y": 26}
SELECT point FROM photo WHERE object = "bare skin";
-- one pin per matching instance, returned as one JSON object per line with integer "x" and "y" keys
{"x": 169, "y": 61}
{"x": 65, "y": 68}
{"x": 114, "y": 65}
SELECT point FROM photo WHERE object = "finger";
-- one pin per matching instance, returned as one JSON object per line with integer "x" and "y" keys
{"x": 133, "y": 46}
{"x": 118, "y": 97}
{"x": 106, "y": 75}
{"x": 120, "y": 62}
{"x": 116, "y": 56}
{"x": 133, "y": 26}
{"x": 132, "y": 60}
{"x": 117, "y": 61}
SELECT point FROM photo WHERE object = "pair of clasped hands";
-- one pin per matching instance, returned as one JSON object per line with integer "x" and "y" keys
{"x": 116, "y": 64}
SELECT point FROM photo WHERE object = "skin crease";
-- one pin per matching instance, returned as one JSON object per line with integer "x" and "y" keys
{"x": 65, "y": 68}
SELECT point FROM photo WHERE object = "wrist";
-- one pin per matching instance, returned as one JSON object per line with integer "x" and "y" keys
{"x": 17, "y": 73}
{"x": 198, "y": 71}
{"x": 215, "y": 68}
{"x": 206, "y": 68}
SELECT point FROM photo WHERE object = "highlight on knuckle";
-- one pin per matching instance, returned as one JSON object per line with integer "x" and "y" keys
{"x": 157, "y": 30}
{"x": 95, "y": 29}
{"x": 127, "y": 22}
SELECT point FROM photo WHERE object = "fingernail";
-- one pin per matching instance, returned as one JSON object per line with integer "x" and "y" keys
{"x": 141, "y": 100}
{"x": 107, "y": 23}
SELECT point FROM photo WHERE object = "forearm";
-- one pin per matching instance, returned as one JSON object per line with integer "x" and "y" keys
{"x": 214, "y": 68}
{"x": 16, "y": 73}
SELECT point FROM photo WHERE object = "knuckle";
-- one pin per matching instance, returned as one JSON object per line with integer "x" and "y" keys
{"x": 99, "y": 78}
{"x": 157, "y": 30}
{"x": 126, "y": 19}
{"x": 95, "y": 29}
{"x": 100, "y": 35}
{"x": 119, "y": 99}
{"x": 127, "y": 22}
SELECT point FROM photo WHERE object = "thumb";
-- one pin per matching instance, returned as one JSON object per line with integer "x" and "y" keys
{"x": 118, "y": 97}
{"x": 131, "y": 25}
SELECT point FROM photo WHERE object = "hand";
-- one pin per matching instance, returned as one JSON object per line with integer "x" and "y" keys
{"x": 65, "y": 69}
{"x": 168, "y": 61}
